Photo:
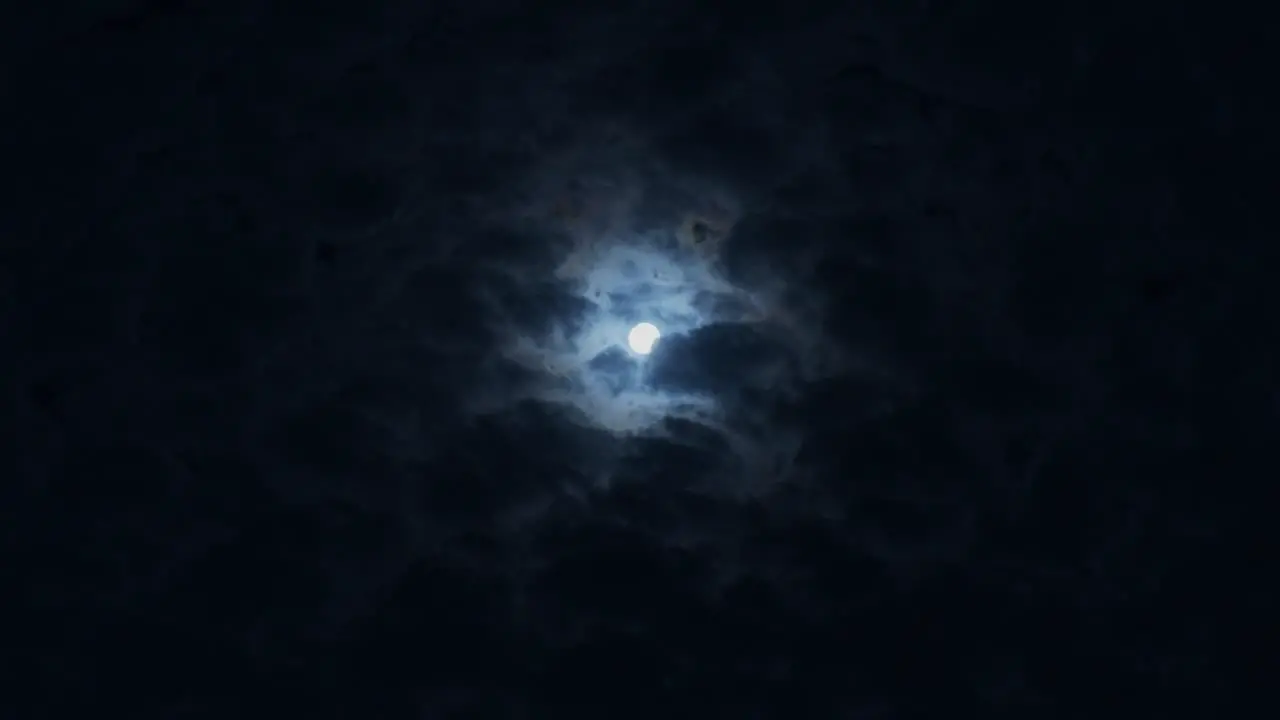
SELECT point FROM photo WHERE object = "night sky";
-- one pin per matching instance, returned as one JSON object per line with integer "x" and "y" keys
{"x": 316, "y": 400}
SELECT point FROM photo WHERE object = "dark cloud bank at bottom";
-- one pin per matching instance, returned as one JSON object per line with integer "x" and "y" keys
{"x": 319, "y": 403}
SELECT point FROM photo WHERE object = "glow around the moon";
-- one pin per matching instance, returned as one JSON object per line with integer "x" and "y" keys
{"x": 642, "y": 337}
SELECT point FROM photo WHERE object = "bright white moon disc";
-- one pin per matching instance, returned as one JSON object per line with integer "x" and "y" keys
{"x": 642, "y": 337}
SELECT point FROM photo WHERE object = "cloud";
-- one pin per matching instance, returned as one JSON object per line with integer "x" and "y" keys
{"x": 312, "y": 354}
{"x": 608, "y": 236}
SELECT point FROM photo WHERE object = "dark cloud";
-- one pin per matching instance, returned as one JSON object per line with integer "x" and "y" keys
{"x": 313, "y": 352}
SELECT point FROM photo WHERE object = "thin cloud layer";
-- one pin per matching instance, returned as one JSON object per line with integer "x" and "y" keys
{"x": 626, "y": 238}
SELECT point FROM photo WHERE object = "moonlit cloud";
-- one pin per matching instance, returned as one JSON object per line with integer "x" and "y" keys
{"x": 630, "y": 242}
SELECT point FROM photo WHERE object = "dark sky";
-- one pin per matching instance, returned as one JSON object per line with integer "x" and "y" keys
{"x": 317, "y": 403}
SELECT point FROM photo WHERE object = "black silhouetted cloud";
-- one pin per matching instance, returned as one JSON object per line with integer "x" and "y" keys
{"x": 315, "y": 397}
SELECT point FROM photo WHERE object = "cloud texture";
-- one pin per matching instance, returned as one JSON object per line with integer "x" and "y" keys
{"x": 312, "y": 353}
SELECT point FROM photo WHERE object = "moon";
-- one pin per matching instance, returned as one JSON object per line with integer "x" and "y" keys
{"x": 642, "y": 337}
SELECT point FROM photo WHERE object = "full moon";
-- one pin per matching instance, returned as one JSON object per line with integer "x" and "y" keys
{"x": 642, "y": 337}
